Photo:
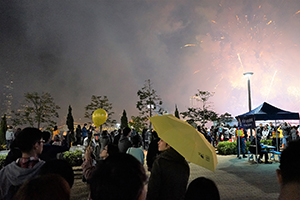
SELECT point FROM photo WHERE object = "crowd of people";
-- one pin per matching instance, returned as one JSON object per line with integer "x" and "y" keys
{"x": 33, "y": 169}
{"x": 280, "y": 134}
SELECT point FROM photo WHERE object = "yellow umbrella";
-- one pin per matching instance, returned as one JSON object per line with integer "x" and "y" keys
{"x": 185, "y": 139}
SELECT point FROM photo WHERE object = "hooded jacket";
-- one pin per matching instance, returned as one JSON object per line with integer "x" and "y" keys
{"x": 169, "y": 176}
{"x": 12, "y": 177}
{"x": 9, "y": 135}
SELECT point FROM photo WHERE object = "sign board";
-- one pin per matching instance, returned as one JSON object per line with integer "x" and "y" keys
{"x": 246, "y": 122}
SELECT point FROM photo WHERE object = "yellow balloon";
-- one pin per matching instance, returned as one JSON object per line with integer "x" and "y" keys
{"x": 99, "y": 117}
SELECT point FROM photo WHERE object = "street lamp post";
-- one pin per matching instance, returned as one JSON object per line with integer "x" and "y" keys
{"x": 248, "y": 74}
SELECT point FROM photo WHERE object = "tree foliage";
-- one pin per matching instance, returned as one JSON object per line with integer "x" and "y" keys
{"x": 38, "y": 110}
{"x": 138, "y": 123}
{"x": 201, "y": 114}
{"x": 124, "y": 120}
{"x": 70, "y": 119}
{"x": 3, "y": 129}
{"x": 148, "y": 101}
{"x": 103, "y": 103}
{"x": 225, "y": 118}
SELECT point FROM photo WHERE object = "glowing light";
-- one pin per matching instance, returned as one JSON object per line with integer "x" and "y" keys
{"x": 213, "y": 21}
{"x": 189, "y": 45}
{"x": 297, "y": 12}
{"x": 269, "y": 22}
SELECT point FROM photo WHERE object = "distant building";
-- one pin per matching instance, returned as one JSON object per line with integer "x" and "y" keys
{"x": 7, "y": 97}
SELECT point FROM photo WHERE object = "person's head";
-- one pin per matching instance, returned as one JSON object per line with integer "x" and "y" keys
{"x": 288, "y": 171}
{"x": 202, "y": 188}
{"x": 126, "y": 131}
{"x": 120, "y": 176}
{"x": 85, "y": 124}
{"x": 30, "y": 139}
{"x": 60, "y": 167}
{"x": 78, "y": 126}
{"x": 104, "y": 133}
{"x": 285, "y": 123}
{"x": 46, "y": 136}
{"x": 45, "y": 187}
{"x": 109, "y": 150}
{"x": 55, "y": 128}
{"x": 162, "y": 145}
{"x": 136, "y": 141}
{"x": 10, "y": 127}
{"x": 260, "y": 125}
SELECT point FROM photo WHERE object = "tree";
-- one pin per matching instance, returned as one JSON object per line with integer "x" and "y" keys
{"x": 138, "y": 123}
{"x": 149, "y": 101}
{"x": 124, "y": 120}
{"x": 103, "y": 103}
{"x": 3, "y": 129}
{"x": 70, "y": 119}
{"x": 38, "y": 110}
{"x": 70, "y": 124}
{"x": 176, "y": 114}
{"x": 224, "y": 118}
{"x": 202, "y": 114}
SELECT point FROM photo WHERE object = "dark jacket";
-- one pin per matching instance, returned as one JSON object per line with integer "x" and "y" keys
{"x": 169, "y": 176}
{"x": 50, "y": 151}
{"x": 285, "y": 130}
{"x": 152, "y": 153}
{"x": 124, "y": 144}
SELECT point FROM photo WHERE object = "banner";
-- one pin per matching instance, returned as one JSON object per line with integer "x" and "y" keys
{"x": 246, "y": 122}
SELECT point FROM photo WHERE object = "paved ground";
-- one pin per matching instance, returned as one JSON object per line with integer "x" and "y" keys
{"x": 241, "y": 179}
{"x": 235, "y": 178}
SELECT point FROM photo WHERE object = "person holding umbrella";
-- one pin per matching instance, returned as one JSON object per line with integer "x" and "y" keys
{"x": 169, "y": 175}
{"x": 170, "y": 171}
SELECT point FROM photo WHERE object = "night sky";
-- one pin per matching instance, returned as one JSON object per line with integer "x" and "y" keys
{"x": 76, "y": 49}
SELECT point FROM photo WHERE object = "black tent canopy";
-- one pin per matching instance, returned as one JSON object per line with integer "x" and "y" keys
{"x": 268, "y": 112}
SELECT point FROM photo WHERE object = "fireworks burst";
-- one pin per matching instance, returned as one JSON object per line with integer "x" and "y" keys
{"x": 253, "y": 39}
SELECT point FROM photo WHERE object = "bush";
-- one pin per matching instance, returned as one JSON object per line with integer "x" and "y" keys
{"x": 267, "y": 142}
{"x": 2, "y": 159}
{"x": 227, "y": 148}
{"x": 74, "y": 158}
{"x": 2, "y": 147}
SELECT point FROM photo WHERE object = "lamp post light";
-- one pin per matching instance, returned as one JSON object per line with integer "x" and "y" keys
{"x": 248, "y": 74}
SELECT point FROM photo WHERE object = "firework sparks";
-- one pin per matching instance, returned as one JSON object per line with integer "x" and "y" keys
{"x": 271, "y": 84}
{"x": 251, "y": 41}
{"x": 190, "y": 45}
{"x": 297, "y": 12}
